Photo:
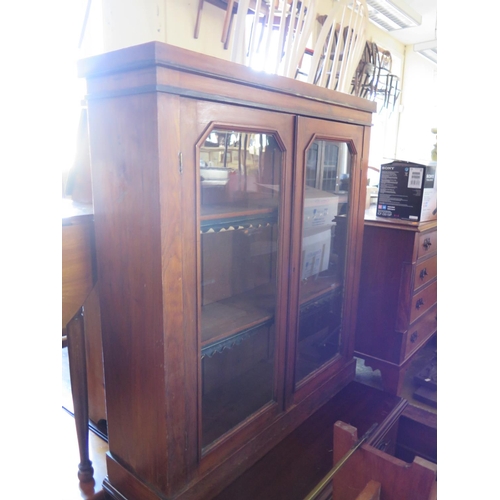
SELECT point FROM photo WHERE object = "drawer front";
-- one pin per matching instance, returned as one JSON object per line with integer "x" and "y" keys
{"x": 427, "y": 244}
{"x": 425, "y": 272}
{"x": 421, "y": 331}
{"x": 422, "y": 301}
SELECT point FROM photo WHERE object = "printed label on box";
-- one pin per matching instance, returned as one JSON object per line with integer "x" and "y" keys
{"x": 400, "y": 191}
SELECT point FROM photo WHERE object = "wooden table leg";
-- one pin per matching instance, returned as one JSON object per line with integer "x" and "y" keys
{"x": 78, "y": 374}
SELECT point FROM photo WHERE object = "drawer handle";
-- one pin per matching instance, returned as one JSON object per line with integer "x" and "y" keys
{"x": 427, "y": 243}
{"x": 423, "y": 273}
{"x": 413, "y": 337}
{"x": 420, "y": 303}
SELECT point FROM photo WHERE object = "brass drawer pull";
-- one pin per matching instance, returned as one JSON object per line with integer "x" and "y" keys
{"x": 427, "y": 243}
{"x": 420, "y": 303}
{"x": 413, "y": 337}
{"x": 423, "y": 273}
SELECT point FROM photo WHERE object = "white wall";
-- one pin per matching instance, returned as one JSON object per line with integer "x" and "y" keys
{"x": 132, "y": 22}
{"x": 419, "y": 109}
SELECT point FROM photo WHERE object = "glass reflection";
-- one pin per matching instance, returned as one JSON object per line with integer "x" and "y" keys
{"x": 240, "y": 174}
{"x": 324, "y": 238}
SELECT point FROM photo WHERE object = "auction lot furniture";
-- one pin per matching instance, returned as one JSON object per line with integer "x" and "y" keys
{"x": 228, "y": 224}
{"x": 397, "y": 311}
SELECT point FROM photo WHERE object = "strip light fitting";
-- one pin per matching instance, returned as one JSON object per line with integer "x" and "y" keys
{"x": 392, "y": 15}
{"x": 427, "y": 49}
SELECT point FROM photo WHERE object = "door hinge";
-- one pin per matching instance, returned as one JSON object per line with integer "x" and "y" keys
{"x": 180, "y": 163}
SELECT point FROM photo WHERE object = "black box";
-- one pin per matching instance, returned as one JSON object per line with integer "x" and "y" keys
{"x": 407, "y": 191}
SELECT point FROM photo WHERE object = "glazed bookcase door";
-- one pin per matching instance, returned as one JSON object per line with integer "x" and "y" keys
{"x": 327, "y": 182}
{"x": 242, "y": 158}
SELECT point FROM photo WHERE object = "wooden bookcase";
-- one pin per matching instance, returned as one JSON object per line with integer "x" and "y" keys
{"x": 228, "y": 209}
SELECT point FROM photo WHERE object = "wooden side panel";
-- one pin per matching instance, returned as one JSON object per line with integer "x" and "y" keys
{"x": 399, "y": 479}
{"x": 124, "y": 153}
{"x": 77, "y": 281}
{"x": 383, "y": 268}
{"x": 93, "y": 348}
{"x": 370, "y": 492}
{"x": 177, "y": 218}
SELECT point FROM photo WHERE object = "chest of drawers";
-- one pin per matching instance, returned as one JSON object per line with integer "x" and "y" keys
{"x": 397, "y": 310}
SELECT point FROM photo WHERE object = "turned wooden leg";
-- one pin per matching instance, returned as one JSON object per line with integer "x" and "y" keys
{"x": 78, "y": 374}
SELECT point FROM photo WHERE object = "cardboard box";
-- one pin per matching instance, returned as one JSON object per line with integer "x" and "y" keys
{"x": 315, "y": 250}
{"x": 408, "y": 191}
{"x": 320, "y": 207}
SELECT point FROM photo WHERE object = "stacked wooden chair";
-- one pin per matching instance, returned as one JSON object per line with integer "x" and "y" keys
{"x": 280, "y": 31}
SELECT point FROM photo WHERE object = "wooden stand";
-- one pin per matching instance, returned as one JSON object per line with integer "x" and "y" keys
{"x": 397, "y": 308}
{"x": 77, "y": 282}
{"x": 78, "y": 373}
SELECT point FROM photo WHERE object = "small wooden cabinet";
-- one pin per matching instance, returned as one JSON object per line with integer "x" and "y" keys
{"x": 228, "y": 225}
{"x": 397, "y": 309}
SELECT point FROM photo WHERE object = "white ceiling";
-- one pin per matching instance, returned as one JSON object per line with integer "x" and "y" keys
{"x": 427, "y": 31}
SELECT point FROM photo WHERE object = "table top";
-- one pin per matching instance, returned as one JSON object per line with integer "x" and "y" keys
{"x": 372, "y": 220}
{"x": 74, "y": 212}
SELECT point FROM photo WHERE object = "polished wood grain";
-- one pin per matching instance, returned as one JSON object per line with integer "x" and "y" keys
{"x": 69, "y": 486}
{"x": 77, "y": 270}
{"x": 397, "y": 311}
{"x": 150, "y": 110}
{"x": 371, "y": 491}
{"x": 399, "y": 479}
{"x": 294, "y": 467}
{"x": 78, "y": 374}
{"x": 78, "y": 278}
{"x": 93, "y": 348}
{"x": 135, "y": 61}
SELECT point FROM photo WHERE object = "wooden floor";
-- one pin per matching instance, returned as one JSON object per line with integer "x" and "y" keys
{"x": 72, "y": 489}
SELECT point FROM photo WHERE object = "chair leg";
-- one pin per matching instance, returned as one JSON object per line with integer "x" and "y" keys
{"x": 78, "y": 374}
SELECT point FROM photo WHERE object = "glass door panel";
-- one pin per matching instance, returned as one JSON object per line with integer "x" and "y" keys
{"x": 240, "y": 176}
{"x": 323, "y": 252}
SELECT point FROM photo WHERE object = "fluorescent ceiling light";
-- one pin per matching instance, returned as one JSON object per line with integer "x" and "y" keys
{"x": 392, "y": 15}
{"x": 427, "y": 49}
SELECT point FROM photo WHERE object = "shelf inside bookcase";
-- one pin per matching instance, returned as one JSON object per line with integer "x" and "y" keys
{"x": 229, "y": 321}
{"x": 218, "y": 217}
{"x": 315, "y": 289}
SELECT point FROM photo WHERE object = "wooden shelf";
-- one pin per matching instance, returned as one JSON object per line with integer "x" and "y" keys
{"x": 218, "y": 217}
{"x": 229, "y": 321}
{"x": 317, "y": 288}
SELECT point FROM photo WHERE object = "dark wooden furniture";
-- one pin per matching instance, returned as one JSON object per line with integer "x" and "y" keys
{"x": 228, "y": 222}
{"x": 397, "y": 309}
{"x": 78, "y": 280}
{"x": 411, "y": 479}
{"x": 293, "y": 468}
